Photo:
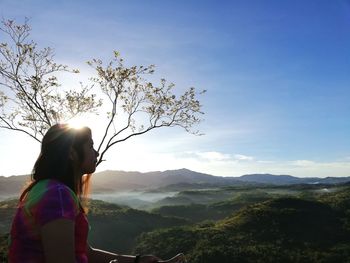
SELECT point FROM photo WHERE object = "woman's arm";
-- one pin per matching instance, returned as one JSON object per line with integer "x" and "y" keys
{"x": 58, "y": 241}
{"x": 100, "y": 256}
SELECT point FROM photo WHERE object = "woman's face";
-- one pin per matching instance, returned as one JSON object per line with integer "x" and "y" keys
{"x": 88, "y": 165}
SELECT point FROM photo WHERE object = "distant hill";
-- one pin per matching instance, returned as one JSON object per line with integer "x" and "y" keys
{"x": 171, "y": 179}
{"x": 111, "y": 181}
{"x": 270, "y": 179}
{"x": 120, "y": 180}
{"x": 288, "y": 179}
{"x": 12, "y": 186}
{"x": 197, "y": 211}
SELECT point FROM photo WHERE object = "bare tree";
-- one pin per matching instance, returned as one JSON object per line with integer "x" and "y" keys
{"x": 33, "y": 99}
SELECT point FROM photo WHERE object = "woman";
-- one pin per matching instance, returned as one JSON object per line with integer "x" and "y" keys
{"x": 50, "y": 224}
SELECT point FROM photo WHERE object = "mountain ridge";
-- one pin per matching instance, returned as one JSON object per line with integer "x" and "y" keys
{"x": 114, "y": 180}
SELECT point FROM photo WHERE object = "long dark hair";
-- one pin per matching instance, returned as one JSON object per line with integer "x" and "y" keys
{"x": 55, "y": 159}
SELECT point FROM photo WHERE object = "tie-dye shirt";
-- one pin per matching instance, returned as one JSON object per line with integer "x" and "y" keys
{"x": 48, "y": 200}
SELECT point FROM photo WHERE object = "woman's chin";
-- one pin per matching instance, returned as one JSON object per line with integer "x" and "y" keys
{"x": 90, "y": 171}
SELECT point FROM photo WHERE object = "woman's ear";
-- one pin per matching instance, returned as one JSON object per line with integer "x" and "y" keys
{"x": 73, "y": 155}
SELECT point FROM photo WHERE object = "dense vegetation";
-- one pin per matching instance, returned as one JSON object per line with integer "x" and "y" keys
{"x": 115, "y": 227}
{"x": 197, "y": 212}
{"x": 278, "y": 230}
{"x": 304, "y": 223}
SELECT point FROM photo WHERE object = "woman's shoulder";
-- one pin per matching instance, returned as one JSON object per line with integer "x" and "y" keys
{"x": 50, "y": 189}
{"x": 50, "y": 185}
{"x": 50, "y": 200}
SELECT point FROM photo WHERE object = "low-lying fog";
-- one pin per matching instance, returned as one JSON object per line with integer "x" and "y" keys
{"x": 134, "y": 199}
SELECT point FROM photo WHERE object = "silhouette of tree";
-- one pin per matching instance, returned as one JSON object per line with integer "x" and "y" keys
{"x": 33, "y": 99}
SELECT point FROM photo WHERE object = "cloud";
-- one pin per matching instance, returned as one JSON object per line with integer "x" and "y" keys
{"x": 303, "y": 163}
{"x": 242, "y": 157}
{"x": 214, "y": 156}
{"x": 265, "y": 162}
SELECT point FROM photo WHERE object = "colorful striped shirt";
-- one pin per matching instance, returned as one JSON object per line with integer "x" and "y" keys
{"x": 48, "y": 200}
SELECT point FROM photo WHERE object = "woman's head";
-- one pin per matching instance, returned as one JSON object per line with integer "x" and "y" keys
{"x": 66, "y": 155}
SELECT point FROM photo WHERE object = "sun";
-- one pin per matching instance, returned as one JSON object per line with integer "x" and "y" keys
{"x": 77, "y": 122}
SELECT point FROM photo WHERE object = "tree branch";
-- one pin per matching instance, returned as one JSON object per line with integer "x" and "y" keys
{"x": 9, "y": 127}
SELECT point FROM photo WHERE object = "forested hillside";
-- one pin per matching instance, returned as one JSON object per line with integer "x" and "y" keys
{"x": 278, "y": 230}
{"x": 115, "y": 227}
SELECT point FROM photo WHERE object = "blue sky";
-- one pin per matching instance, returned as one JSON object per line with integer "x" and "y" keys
{"x": 277, "y": 75}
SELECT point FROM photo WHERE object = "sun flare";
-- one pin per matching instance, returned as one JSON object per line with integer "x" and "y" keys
{"x": 77, "y": 122}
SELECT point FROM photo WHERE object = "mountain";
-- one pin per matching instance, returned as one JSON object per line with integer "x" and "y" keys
{"x": 288, "y": 179}
{"x": 12, "y": 186}
{"x": 112, "y": 181}
{"x": 269, "y": 179}
{"x": 120, "y": 180}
